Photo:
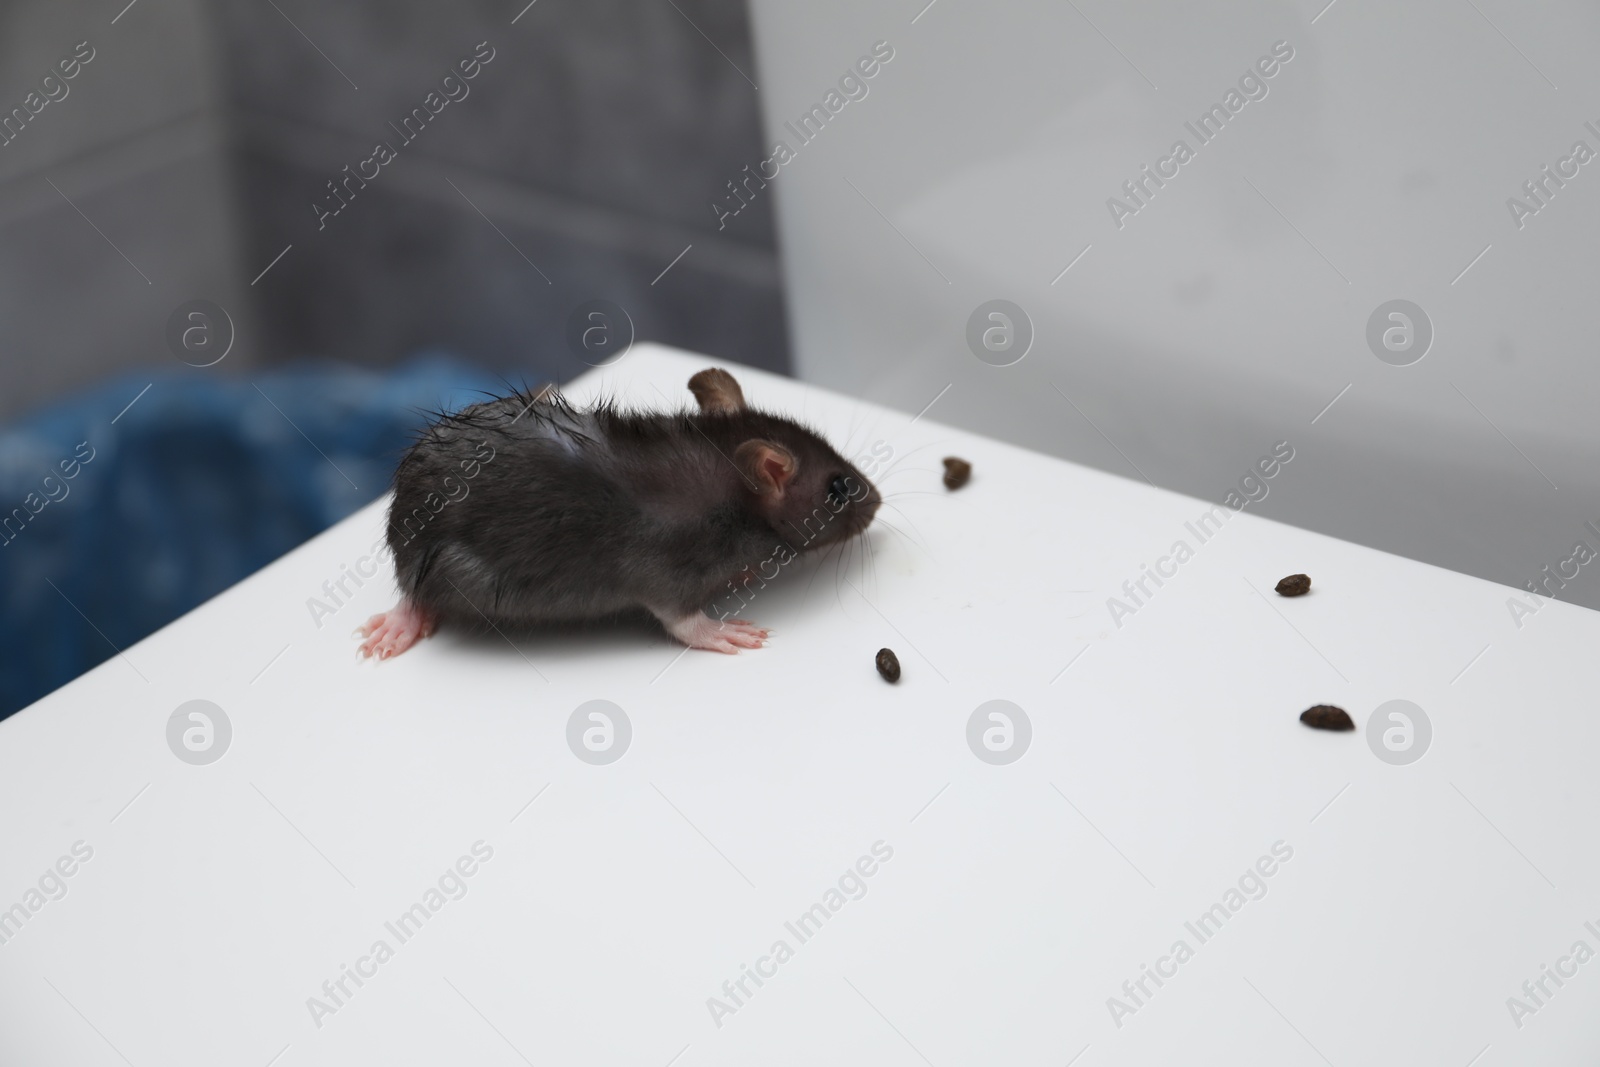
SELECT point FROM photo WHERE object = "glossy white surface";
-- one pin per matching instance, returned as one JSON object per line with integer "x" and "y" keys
{"x": 1232, "y": 308}
{"x": 1163, "y": 763}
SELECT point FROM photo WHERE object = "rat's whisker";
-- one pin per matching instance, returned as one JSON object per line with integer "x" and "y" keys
{"x": 910, "y": 522}
{"x": 822, "y": 562}
{"x": 872, "y": 557}
{"x": 872, "y": 430}
{"x": 906, "y": 470}
{"x": 901, "y": 457}
{"x": 855, "y": 421}
{"x": 844, "y": 557}
{"x": 849, "y": 440}
{"x": 889, "y": 502}
{"x": 892, "y": 528}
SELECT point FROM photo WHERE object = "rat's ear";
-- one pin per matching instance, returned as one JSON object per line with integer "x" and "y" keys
{"x": 716, "y": 391}
{"x": 769, "y": 467}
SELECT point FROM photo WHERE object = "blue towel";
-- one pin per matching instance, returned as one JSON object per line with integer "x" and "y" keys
{"x": 117, "y": 519}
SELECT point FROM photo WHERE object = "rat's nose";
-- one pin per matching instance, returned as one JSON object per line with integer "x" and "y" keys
{"x": 867, "y": 509}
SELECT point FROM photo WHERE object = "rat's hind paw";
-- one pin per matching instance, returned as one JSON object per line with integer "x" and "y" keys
{"x": 394, "y": 631}
{"x": 702, "y": 631}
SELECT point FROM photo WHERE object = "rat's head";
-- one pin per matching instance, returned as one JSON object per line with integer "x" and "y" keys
{"x": 806, "y": 490}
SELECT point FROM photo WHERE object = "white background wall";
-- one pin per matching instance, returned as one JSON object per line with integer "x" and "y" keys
{"x": 1231, "y": 309}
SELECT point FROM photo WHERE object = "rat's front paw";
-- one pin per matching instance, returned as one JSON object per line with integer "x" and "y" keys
{"x": 729, "y": 635}
{"x": 394, "y": 631}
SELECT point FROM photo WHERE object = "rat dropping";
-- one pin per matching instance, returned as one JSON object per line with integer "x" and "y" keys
{"x": 888, "y": 665}
{"x": 1294, "y": 585}
{"x": 1326, "y": 717}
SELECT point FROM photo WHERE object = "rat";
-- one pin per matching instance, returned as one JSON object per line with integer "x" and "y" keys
{"x": 525, "y": 509}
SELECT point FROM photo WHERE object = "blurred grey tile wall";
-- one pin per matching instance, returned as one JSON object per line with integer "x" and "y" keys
{"x": 189, "y": 152}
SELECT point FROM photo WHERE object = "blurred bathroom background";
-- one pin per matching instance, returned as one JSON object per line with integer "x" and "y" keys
{"x": 180, "y": 162}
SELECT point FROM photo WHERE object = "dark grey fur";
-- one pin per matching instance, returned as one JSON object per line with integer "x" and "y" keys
{"x": 524, "y": 509}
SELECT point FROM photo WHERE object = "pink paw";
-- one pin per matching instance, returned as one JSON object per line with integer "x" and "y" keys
{"x": 729, "y": 635}
{"x": 394, "y": 631}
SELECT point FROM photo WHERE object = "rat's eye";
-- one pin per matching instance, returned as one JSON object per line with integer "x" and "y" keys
{"x": 838, "y": 491}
